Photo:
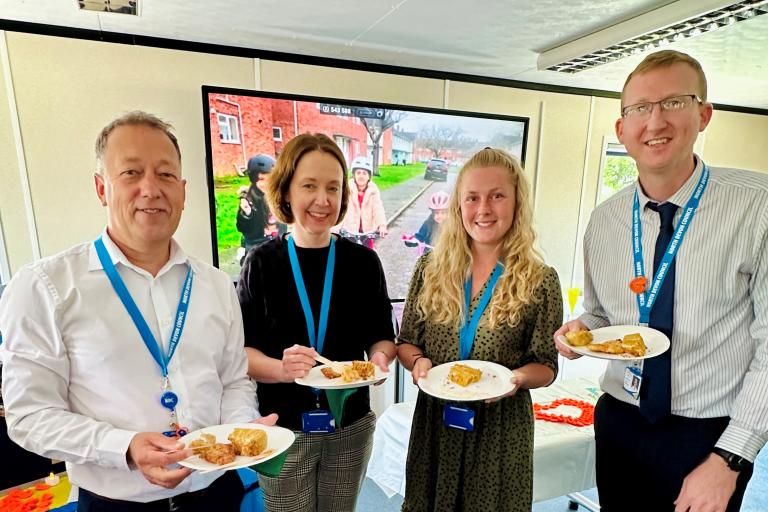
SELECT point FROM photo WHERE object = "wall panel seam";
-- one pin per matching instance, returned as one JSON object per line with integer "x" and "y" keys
{"x": 19, "y": 145}
{"x": 587, "y": 146}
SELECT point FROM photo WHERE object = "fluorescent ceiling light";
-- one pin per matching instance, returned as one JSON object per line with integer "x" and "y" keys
{"x": 647, "y": 32}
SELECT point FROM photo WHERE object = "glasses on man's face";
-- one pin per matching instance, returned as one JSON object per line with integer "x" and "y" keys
{"x": 673, "y": 104}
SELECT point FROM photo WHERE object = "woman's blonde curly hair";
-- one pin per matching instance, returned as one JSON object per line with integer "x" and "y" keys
{"x": 449, "y": 266}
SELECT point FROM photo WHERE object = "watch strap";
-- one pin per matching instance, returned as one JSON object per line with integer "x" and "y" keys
{"x": 735, "y": 462}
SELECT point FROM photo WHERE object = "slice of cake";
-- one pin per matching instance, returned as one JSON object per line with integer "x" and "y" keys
{"x": 248, "y": 441}
{"x": 464, "y": 375}
{"x": 607, "y": 347}
{"x": 633, "y": 344}
{"x": 208, "y": 449}
{"x": 204, "y": 441}
{"x": 219, "y": 454}
{"x": 329, "y": 373}
{"x": 364, "y": 369}
{"x": 350, "y": 374}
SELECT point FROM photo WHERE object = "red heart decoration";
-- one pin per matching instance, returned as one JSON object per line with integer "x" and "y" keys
{"x": 587, "y": 416}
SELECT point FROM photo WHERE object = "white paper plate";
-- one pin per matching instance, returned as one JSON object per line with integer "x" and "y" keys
{"x": 279, "y": 439}
{"x": 494, "y": 382}
{"x": 316, "y": 379}
{"x": 656, "y": 342}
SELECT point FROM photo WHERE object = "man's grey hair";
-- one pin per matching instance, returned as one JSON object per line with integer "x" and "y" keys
{"x": 136, "y": 117}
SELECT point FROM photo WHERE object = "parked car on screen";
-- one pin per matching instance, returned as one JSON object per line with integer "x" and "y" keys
{"x": 437, "y": 169}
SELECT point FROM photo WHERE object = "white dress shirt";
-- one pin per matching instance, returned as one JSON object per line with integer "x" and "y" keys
{"x": 79, "y": 382}
{"x": 720, "y": 334}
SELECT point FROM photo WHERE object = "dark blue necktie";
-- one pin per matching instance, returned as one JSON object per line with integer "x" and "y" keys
{"x": 656, "y": 390}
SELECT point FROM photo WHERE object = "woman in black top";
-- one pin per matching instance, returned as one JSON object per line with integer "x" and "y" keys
{"x": 307, "y": 188}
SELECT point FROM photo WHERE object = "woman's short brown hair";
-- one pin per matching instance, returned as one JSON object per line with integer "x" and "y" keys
{"x": 281, "y": 176}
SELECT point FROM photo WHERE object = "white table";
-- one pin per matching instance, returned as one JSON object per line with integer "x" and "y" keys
{"x": 563, "y": 455}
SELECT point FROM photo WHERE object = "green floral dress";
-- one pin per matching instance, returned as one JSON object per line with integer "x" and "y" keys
{"x": 491, "y": 468}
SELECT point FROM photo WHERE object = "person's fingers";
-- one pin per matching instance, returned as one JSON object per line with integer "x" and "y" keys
{"x": 296, "y": 362}
{"x": 301, "y": 349}
{"x": 380, "y": 360}
{"x": 300, "y": 360}
{"x": 150, "y": 454}
{"x": 159, "y": 441}
{"x": 151, "y": 448}
{"x": 515, "y": 381}
{"x": 565, "y": 351}
{"x": 180, "y": 455}
{"x": 561, "y": 331}
{"x": 576, "y": 325}
{"x": 423, "y": 365}
{"x": 155, "y": 458}
{"x": 295, "y": 373}
{"x": 572, "y": 326}
{"x": 299, "y": 366}
{"x": 268, "y": 420}
{"x": 168, "y": 478}
{"x": 561, "y": 347}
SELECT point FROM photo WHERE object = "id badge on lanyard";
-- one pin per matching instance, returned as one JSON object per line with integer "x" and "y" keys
{"x": 168, "y": 399}
{"x": 317, "y": 420}
{"x": 459, "y": 417}
{"x": 633, "y": 380}
{"x": 646, "y": 297}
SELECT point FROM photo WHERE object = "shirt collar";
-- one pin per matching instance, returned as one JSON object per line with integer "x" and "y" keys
{"x": 177, "y": 257}
{"x": 679, "y": 198}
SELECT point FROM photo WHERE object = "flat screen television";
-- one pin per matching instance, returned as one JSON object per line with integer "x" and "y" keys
{"x": 413, "y": 153}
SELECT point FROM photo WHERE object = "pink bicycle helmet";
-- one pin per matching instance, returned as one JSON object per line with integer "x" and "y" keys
{"x": 438, "y": 201}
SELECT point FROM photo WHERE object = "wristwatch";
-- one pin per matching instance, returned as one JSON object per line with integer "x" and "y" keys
{"x": 735, "y": 462}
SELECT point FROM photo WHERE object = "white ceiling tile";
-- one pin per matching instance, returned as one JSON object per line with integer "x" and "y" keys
{"x": 488, "y": 38}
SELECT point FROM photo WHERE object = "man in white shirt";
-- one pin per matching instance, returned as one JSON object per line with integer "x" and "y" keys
{"x": 678, "y": 431}
{"x": 114, "y": 347}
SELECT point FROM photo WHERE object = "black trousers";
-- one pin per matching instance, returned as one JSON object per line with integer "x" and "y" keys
{"x": 641, "y": 467}
{"x": 224, "y": 495}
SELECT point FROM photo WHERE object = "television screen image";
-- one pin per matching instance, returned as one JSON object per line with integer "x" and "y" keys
{"x": 411, "y": 155}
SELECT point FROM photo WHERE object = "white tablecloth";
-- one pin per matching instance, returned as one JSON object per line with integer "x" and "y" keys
{"x": 563, "y": 455}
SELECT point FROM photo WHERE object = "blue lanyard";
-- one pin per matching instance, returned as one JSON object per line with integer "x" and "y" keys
{"x": 469, "y": 326}
{"x": 315, "y": 339}
{"x": 645, "y": 300}
{"x": 138, "y": 319}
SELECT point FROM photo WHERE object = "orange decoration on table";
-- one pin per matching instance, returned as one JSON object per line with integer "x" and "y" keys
{"x": 586, "y": 418}
{"x": 23, "y": 500}
{"x": 638, "y": 284}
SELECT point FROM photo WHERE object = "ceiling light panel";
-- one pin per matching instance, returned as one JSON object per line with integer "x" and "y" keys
{"x": 648, "y": 32}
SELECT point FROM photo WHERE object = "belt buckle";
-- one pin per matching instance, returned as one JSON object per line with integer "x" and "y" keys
{"x": 172, "y": 505}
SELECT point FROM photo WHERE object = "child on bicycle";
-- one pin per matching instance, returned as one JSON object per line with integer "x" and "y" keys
{"x": 255, "y": 222}
{"x": 438, "y": 204}
{"x": 365, "y": 212}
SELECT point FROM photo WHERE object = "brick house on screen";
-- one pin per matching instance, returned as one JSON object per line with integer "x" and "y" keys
{"x": 243, "y": 126}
